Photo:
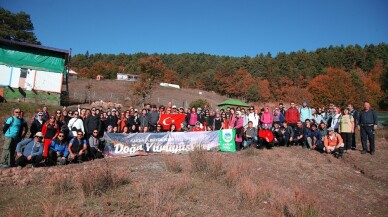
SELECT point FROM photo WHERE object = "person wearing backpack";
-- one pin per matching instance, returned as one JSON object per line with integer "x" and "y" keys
{"x": 11, "y": 130}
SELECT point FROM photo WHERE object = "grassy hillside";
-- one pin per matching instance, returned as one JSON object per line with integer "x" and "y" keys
{"x": 119, "y": 92}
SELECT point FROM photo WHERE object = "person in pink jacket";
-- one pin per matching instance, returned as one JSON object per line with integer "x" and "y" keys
{"x": 238, "y": 123}
{"x": 266, "y": 118}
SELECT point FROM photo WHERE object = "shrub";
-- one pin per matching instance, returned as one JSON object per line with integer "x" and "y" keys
{"x": 202, "y": 163}
{"x": 60, "y": 183}
{"x": 100, "y": 180}
{"x": 172, "y": 164}
{"x": 199, "y": 103}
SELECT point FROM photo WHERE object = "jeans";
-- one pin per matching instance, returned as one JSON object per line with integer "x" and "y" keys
{"x": 367, "y": 132}
{"x": 249, "y": 141}
{"x": 286, "y": 139}
{"x": 54, "y": 159}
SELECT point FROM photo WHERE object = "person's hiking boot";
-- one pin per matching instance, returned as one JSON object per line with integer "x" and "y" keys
{"x": 363, "y": 152}
{"x": 372, "y": 153}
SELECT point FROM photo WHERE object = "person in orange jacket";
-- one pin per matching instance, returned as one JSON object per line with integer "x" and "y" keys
{"x": 333, "y": 143}
{"x": 265, "y": 137}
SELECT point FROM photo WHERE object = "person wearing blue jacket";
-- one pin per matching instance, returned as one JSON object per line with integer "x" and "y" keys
{"x": 315, "y": 138}
{"x": 32, "y": 152}
{"x": 59, "y": 150}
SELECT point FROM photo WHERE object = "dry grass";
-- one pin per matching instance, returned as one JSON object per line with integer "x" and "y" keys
{"x": 206, "y": 165}
{"x": 101, "y": 180}
{"x": 277, "y": 182}
{"x": 172, "y": 164}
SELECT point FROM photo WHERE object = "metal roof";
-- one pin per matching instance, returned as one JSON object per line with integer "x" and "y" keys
{"x": 34, "y": 47}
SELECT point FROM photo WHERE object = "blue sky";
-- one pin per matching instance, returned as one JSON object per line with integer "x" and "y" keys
{"x": 228, "y": 27}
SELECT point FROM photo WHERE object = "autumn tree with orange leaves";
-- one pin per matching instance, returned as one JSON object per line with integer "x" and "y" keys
{"x": 151, "y": 71}
{"x": 340, "y": 87}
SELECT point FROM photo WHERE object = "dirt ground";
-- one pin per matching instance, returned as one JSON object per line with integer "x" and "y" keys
{"x": 278, "y": 182}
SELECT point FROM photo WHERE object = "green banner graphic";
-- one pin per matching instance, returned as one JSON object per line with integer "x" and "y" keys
{"x": 226, "y": 139}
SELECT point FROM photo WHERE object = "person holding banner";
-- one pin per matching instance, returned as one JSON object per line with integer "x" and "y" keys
{"x": 237, "y": 123}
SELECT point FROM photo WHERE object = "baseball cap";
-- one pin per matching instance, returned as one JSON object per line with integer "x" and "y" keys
{"x": 39, "y": 134}
{"x": 174, "y": 106}
{"x": 330, "y": 129}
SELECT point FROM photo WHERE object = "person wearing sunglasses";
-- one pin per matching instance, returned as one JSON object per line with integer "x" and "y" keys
{"x": 36, "y": 125}
{"x": 50, "y": 131}
{"x": 75, "y": 124}
{"x": 96, "y": 147}
{"x": 32, "y": 153}
{"x": 58, "y": 150}
{"x": 11, "y": 130}
{"x": 77, "y": 148}
{"x": 92, "y": 123}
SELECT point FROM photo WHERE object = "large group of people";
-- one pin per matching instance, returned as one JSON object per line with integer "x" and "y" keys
{"x": 73, "y": 136}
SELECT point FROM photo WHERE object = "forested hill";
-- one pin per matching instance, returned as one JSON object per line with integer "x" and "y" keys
{"x": 263, "y": 77}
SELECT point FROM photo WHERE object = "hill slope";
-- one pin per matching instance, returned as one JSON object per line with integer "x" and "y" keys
{"x": 119, "y": 92}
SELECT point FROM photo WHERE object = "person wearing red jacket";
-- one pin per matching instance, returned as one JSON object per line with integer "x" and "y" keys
{"x": 292, "y": 116}
{"x": 50, "y": 131}
{"x": 265, "y": 137}
{"x": 197, "y": 127}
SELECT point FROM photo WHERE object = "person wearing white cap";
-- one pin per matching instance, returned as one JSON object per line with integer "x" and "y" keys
{"x": 32, "y": 153}
{"x": 333, "y": 143}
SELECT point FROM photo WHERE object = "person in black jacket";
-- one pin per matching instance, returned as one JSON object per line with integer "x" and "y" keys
{"x": 112, "y": 119}
{"x": 354, "y": 113}
{"x": 92, "y": 122}
{"x": 367, "y": 125}
{"x": 131, "y": 121}
{"x": 299, "y": 134}
{"x": 36, "y": 125}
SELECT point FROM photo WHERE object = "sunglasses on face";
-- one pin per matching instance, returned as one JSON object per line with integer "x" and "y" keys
{"x": 60, "y": 136}
{"x": 95, "y": 132}
{"x": 79, "y": 134}
{"x": 39, "y": 137}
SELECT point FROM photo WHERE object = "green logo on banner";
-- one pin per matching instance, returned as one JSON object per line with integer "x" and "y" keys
{"x": 226, "y": 138}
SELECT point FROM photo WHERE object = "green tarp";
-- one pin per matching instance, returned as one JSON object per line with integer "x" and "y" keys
{"x": 232, "y": 103}
{"x": 39, "y": 62}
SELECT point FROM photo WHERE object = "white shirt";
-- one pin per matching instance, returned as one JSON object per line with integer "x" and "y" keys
{"x": 77, "y": 123}
{"x": 254, "y": 118}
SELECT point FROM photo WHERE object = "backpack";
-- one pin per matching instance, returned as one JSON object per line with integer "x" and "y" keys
{"x": 7, "y": 126}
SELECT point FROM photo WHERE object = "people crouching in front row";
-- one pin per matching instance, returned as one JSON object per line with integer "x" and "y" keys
{"x": 310, "y": 136}
{"x": 61, "y": 152}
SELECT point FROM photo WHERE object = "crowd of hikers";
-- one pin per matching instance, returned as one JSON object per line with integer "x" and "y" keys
{"x": 76, "y": 136}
